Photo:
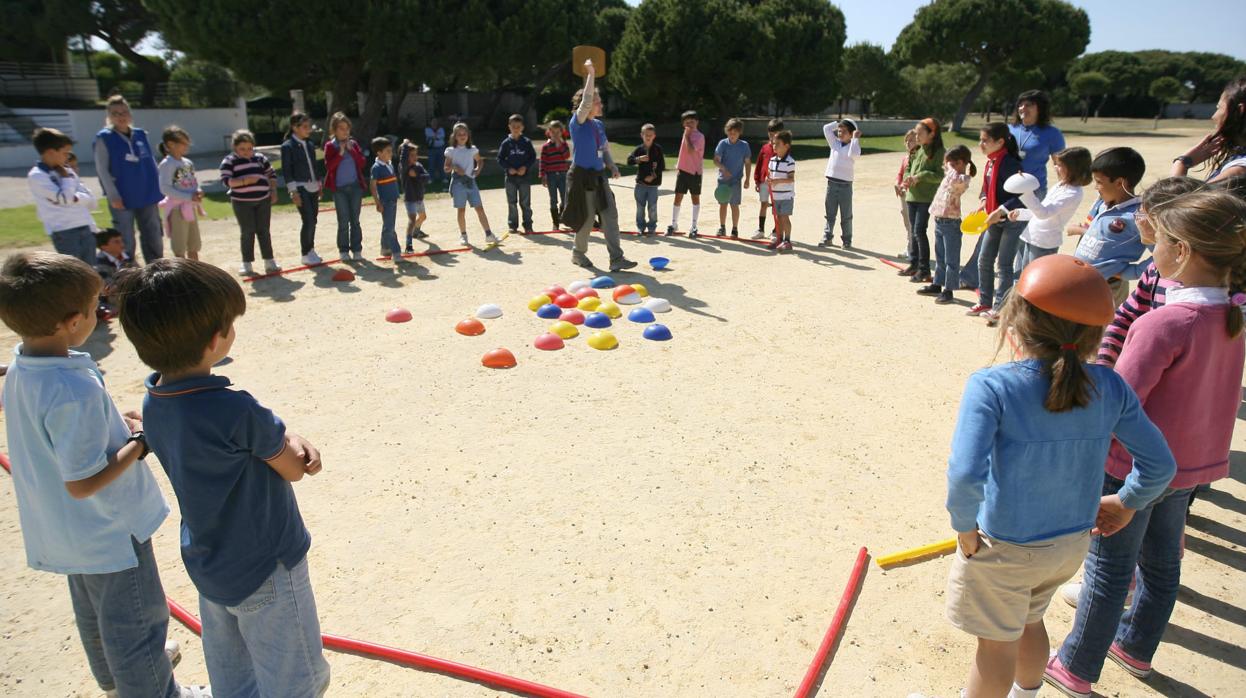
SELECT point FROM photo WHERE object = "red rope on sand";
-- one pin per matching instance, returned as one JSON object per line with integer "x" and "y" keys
{"x": 890, "y": 263}
{"x": 837, "y": 624}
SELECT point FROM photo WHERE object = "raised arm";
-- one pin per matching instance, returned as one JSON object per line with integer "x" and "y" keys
{"x": 585, "y": 109}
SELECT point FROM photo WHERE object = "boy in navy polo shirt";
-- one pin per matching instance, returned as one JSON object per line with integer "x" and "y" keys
{"x": 385, "y": 193}
{"x": 517, "y": 156}
{"x": 88, "y": 503}
{"x": 1110, "y": 238}
{"x": 230, "y": 461}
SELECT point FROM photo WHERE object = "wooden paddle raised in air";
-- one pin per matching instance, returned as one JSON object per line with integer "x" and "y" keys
{"x": 579, "y": 54}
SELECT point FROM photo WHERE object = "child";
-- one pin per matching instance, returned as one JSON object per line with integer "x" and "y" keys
{"x": 690, "y": 165}
{"x": 761, "y": 173}
{"x": 1047, "y": 219}
{"x": 555, "y": 161}
{"x": 1184, "y": 361}
{"x": 230, "y": 461}
{"x": 910, "y": 148}
{"x": 302, "y": 174}
{"x": 1225, "y": 148}
{"x": 110, "y": 259}
{"x": 88, "y": 503}
{"x": 516, "y": 156}
{"x": 385, "y": 194}
{"x": 1110, "y": 239}
{"x": 463, "y": 164}
{"x": 958, "y": 169}
{"x": 650, "y": 163}
{"x": 62, "y": 202}
{"x": 999, "y": 242}
{"x": 343, "y": 161}
{"x": 844, "y": 139}
{"x": 782, "y": 183}
{"x": 921, "y": 181}
{"x": 1026, "y": 470}
{"x": 415, "y": 180}
{"x": 731, "y": 156}
{"x": 252, "y": 192}
{"x": 180, "y": 207}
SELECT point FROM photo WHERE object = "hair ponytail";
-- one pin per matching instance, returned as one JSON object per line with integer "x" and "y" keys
{"x": 998, "y": 131}
{"x": 1063, "y": 347}
{"x": 1010, "y": 144}
{"x": 1234, "y": 323}
{"x": 960, "y": 153}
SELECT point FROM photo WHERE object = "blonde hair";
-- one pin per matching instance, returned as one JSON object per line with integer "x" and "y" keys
{"x": 1212, "y": 223}
{"x": 1062, "y": 346}
{"x": 338, "y": 118}
{"x": 112, "y": 102}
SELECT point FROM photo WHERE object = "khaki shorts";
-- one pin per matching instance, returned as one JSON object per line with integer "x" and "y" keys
{"x": 183, "y": 234}
{"x": 1120, "y": 290}
{"x": 1007, "y": 586}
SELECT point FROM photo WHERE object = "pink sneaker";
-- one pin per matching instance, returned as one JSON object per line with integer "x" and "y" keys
{"x": 1137, "y": 667}
{"x": 1064, "y": 681}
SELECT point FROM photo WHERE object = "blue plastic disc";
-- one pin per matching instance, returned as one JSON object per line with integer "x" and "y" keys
{"x": 603, "y": 282}
{"x": 640, "y": 315}
{"x": 549, "y": 311}
{"x": 658, "y": 333}
{"x": 597, "y": 321}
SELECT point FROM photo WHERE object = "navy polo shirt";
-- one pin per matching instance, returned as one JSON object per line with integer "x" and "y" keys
{"x": 239, "y": 517}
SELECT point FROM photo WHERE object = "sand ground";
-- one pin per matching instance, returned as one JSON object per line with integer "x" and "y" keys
{"x": 665, "y": 519}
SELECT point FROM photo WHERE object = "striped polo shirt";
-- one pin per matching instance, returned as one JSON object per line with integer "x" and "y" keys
{"x": 233, "y": 167}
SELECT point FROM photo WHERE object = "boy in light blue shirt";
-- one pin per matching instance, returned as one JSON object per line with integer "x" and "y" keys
{"x": 731, "y": 156}
{"x": 1110, "y": 240}
{"x": 88, "y": 504}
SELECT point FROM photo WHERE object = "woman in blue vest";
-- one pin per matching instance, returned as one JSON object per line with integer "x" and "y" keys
{"x": 127, "y": 170}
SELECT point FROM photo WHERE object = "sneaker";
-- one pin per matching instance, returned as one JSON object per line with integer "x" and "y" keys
{"x": 735, "y": 233}
{"x": 930, "y": 290}
{"x": 491, "y": 238}
{"x": 670, "y": 230}
{"x": 1071, "y": 591}
{"x": 622, "y": 264}
{"x": 847, "y": 244}
{"x": 785, "y": 246}
{"x": 945, "y": 297}
{"x": 977, "y": 309}
{"x": 245, "y": 269}
{"x": 759, "y": 234}
{"x": 903, "y": 257}
{"x": 527, "y": 230}
{"x": 722, "y": 231}
{"x": 907, "y": 271}
{"x": 921, "y": 277}
{"x": 409, "y": 249}
{"x": 693, "y": 233}
{"x": 824, "y": 242}
{"x": 311, "y": 258}
{"x": 581, "y": 260}
{"x": 512, "y": 231}
{"x": 173, "y": 651}
{"x": 1137, "y": 667}
{"x": 463, "y": 239}
{"x": 992, "y": 317}
{"x": 774, "y": 243}
{"x": 1064, "y": 681}
{"x": 271, "y": 266}
{"x": 420, "y": 234}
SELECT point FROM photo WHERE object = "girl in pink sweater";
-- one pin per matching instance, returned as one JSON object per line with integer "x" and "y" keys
{"x": 1184, "y": 360}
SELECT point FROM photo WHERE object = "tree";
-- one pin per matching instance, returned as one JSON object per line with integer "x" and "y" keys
{"x": 1164, "y": 90}
{"x": 1089, "y": 85}
{"x": 1034, "y": 34}
{"x": 929, "y": 90}
{"x": 1124, "y": 71}
{"x": 122, "y": 24}
{"x": 867, "y": 73}
{"x": 798, "y": 56}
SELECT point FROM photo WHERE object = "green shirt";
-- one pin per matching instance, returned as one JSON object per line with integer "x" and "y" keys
{"x": 927, "y": 169}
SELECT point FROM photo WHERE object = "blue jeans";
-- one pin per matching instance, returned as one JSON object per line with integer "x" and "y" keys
{"x": 1152, "y": 544}
{"x": 347, "y": 200}
{"x": 389, "y": 234}
{"x": 268, "y": 645}
{"x": 76, "y": 242}
{"x": 919, "y": 240}
{"x": 969, "y": 272}
{"x": 947, "y": 252}
{"x": 839, "y": 202}
{"x": 646, "y": 201}
{"x": 150, "y": 230}
{"x": 518, "y": 198}
{"x": 999, "y": 250}
{"x": 123, "y": 621}
{"x": 309, "y": 211}
{"x": 437, "y": 163}
{"x": 1027, "y": 253}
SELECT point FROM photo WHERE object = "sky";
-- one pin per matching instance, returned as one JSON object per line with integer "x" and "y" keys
{"x": 1121, "y": 25}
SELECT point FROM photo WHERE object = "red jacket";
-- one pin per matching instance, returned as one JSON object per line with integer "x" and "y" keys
{"x": 332, "y": 157}
{"x": 763, "y": 164}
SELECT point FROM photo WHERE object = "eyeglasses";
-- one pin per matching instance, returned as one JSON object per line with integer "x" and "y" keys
{"x": 1142, "y": 217}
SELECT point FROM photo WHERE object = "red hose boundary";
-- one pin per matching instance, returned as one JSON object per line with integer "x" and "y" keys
{"x": 890, "y": 263}
{"x": 305, "y": 267}
{"x": 846, "y": 603}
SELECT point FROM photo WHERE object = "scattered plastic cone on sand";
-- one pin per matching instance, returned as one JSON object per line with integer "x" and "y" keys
{"x": 564, "y": 329}
{"x": 343, "y": 275}
{"x": 566, "y": 300}
{"x": 609, "y": 309}
{"x": 537, "y": 301}
{"x": 597, "y": 321}
{"x": 498, "y": 358}
{"x": 588, "y": 303}
{"x": 603, "y": 282}
{"x": 489, "y": 311}
{"x": 657, "y": 333}
{"x": 657, "y": 305}
{"x": 572, "y": 316}
{"x": 398, "y": 315}
{"x": 548, "y": 342}
{"x": 470, "y": 327}
{"x": 603, "y": 340}
{"x": 549, "y": 311}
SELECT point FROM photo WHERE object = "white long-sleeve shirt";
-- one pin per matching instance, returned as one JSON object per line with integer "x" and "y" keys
{"x": 843, "y": 159}
{"x": 62, "y": 201}
{"x": 1048, "y": 218}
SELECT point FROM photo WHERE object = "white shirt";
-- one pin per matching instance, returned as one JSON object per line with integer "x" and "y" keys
{"x": 842, "y": 162}
{"x": 782, "y": 168}
{"x": 464, "y": 157}
{"x": 1049, "y": 218}
{"x": 62, "y": 202}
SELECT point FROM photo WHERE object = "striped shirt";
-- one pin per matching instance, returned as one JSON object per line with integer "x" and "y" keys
{"x": 234, "y": 167}
{"x": 1151, "y": 293}
{"x": 782, "y": 168}
{"x": 555, "y": 157}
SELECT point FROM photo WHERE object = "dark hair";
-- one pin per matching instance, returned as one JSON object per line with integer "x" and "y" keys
{"x": 46, "y": 139}
{"x": 960, "y": 153}
{"x": 514, "y": 118}
{"x": 241, "y": 136}
{"x": 578, "y": 97}
{"x": 690, "y": 114}
{"x": 1120, "y": 163}
{"x": 71, "y": 156}
{"x": 784, "y": 137}
{"x": 998, "y": 131}
{"x": 379, "y": 144}
{"x": 1044, "y": 336}
{"x": 296, "y": 119}
{"x": 1040, "y": 100}
{"x": 172, "y": 133}
{"x": 932, "y": 125}
{"x": 1076, "y": 161}
{"x": 775, "y": 125}
{"x": 104, "y": 236}
{"x": 848, "y": 124}
{"x": 1234, "y": 129}
{"x": 173, "y": 307}
{"x": 39, "y": 290}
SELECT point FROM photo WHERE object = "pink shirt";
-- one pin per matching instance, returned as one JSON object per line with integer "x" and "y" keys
{"x": 946, "y": 203}
{"x": 1187, "y": 373}
{"x": 692, "y": 160}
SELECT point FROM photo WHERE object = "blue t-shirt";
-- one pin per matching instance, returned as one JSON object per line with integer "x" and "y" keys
{"x": 732, "y": 156}
{"x": 1112, "y": 242}
{"x": 587, "y": 140}
{"x": 346, "y": 172}
{"x": 386, "y": 181}
{"x": 239, "y": 517}
{"x": 1036, "y": 145}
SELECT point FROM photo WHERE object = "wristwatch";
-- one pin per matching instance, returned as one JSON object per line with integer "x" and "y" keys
{"x": 1184, "y": 160}
{"x": 141, "y": 438}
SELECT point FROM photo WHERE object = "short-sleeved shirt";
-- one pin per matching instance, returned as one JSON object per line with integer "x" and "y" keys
{"x": 692, "y": 160}
{"x": 239, "y": 517}
{"x": 235, "y": 166}
{"x": 463, "y": 157}
{"x": 386, "y": 181}
{"x": 782, "y": 168}
{"x": 62, "y": 427}
{"x": 1036, "y": 144}
{"x": 588, "y": 139}
{"x": 1112, "y": 242}
{"x": 732, "y": 156}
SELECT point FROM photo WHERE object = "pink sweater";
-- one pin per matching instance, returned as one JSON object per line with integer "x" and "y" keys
{"x": 1187, "y": 373}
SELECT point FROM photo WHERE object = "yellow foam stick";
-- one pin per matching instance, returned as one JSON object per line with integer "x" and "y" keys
{"x": 940, "y": 548}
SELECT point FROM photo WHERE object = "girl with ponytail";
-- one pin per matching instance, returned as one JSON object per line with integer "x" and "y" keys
{"x": 1026, "y": 469}
{"x": 1184, "y": 360}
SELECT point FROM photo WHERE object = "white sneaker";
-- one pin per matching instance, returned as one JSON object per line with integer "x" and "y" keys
{"x": 491, "y": 238}
{"x": 173, "y": 651}
{"x": 357, "y": 256}
{"x": 271, "y": 266}
{"x": 463, "y": 239}
{"x": 311, "y": 258}
{"x": 1069, "y": 593}
{"x": 196, "y": 692}
{"x": 759, "y": 235}
{"x": 245, "y": 269}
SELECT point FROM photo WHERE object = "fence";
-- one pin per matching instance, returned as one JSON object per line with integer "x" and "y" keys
{"x": 185, "y": 94}
{"x": 52, "y": 80}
